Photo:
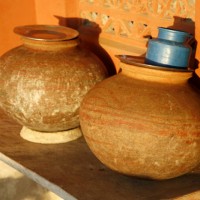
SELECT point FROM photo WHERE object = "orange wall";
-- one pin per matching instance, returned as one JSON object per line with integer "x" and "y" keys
{"x": 25, "y": 12}
{"x": 14, "y": 13}
{"x": 55, "y": 9}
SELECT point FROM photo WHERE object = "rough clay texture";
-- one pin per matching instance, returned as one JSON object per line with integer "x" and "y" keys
{"x": 42, "y": 89}
{"x": 143, "y": 125}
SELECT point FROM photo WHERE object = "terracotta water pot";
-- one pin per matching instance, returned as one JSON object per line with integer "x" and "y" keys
{"x": 144, "y": 121}
{"x": 44, "y": 80}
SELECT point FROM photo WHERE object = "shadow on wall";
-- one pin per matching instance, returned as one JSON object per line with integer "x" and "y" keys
{"x": 188, "y": 25}
{"x": 184, "y": 24}
{"x": 89, "y": 36}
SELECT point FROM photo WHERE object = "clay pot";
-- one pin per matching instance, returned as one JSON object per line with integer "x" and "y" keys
{"x": 144, "y": 121}
{"x": 44, "y": 80}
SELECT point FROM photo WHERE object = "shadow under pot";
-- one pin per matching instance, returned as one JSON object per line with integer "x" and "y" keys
{"x": 44, "y": 80}
{"x": 144, "y": 121}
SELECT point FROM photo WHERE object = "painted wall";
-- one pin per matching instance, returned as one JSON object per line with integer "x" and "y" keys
{"x": 25, "y": 12}
{"x": 14, "y": 13}
{"x": 55, "y": 9}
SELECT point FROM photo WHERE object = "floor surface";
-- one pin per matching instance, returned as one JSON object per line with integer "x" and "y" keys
{"x": 16, "y": 186}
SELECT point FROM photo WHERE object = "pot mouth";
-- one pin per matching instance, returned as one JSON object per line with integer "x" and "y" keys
{"x": 173, "y": 35}
{"x": 139, "y": 61}
{"x": 48, "y": 33}
{"x": 170, "y": 30}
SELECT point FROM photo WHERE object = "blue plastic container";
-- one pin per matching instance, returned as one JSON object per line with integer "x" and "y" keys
{"x": 170, "y": 49}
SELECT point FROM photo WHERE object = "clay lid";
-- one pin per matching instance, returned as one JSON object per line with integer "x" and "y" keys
{"x": 46, "y": 32}
{"x": 140, "y": 62}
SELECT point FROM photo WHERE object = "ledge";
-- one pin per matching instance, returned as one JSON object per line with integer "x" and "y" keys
{"x": 72, "y": 172}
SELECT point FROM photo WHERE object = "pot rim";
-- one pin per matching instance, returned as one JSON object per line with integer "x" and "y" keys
{"x": 170, "y": 30}
{"x": 139, "y": 61}
{"x": 142, "y": 71}
{"x": 47, "y": 33}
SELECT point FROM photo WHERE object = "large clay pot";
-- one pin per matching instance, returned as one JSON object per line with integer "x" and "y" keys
{"x": 44, "y": 80}
{"x": 144, "y": 121}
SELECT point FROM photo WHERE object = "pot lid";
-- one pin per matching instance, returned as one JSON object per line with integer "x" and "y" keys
{"x": 46, "y": 32}
{"x": 140, "y": 62}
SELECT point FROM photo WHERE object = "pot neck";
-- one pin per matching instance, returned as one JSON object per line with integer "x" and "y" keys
{"x": 172, "y": 35}
{"x": 49, "y": 45}
{"x": 155, "y": 75}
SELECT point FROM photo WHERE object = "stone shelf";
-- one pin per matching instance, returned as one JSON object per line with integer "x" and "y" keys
{"x": 72, "y": 172}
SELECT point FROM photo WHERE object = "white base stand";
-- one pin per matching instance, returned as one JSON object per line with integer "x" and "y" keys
{"x": 50, "y": 137}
